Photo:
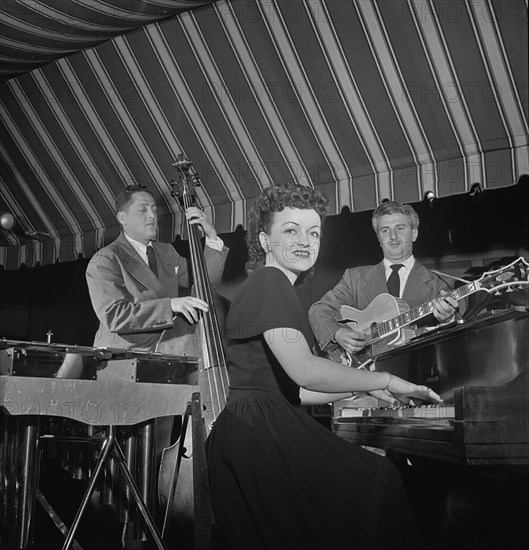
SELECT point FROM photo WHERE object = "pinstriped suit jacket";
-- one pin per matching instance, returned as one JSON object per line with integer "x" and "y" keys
{"x": 131, "y": 303}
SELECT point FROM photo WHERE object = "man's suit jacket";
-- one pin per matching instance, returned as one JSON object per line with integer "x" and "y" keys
{"x": 131, "y": 303}
{"x": 359, "y": 286}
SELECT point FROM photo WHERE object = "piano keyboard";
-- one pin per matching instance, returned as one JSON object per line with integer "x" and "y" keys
{"x": 425, "y": 412}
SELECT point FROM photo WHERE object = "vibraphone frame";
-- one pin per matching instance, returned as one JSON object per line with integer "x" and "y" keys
{"x": 121, "y": 393}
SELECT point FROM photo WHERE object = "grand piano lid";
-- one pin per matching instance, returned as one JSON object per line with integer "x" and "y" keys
{"x": 443, "y": 332}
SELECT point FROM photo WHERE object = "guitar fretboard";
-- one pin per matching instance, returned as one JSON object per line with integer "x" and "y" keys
{"x": 514, "y": 275}
{"x": 380, "y": 330}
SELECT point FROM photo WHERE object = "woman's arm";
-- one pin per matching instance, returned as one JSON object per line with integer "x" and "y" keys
{"x": 322, "y": 375}
{"x": 317, "y": 373}
{"x": 309, "y": 397}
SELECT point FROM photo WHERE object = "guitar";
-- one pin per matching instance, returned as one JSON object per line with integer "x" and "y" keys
{"x": 385, "y": 318}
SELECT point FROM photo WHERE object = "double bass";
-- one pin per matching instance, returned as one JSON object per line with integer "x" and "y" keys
{"x": 204, "y": 340}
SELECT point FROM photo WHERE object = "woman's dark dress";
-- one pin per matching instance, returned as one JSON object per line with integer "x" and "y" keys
{"x": 279, "y": 480}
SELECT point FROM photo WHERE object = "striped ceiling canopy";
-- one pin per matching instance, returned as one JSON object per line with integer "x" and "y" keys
{"x": 364, "y": 99}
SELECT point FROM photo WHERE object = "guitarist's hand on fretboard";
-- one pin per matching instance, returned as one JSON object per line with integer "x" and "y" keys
{"x": 444, "y": 307}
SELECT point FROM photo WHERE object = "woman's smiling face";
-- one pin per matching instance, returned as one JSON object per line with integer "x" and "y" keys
{"x": 294, "y": 241}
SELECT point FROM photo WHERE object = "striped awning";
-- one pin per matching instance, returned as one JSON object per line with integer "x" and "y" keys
{"x": 35, "y": 32}
{"x": 365, "y": 99}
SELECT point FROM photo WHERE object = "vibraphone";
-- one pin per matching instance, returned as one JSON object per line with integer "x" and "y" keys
{"x": 93, "y": 386}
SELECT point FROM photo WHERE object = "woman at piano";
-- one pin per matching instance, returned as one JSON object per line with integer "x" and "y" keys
{"x": 280, "y": 480}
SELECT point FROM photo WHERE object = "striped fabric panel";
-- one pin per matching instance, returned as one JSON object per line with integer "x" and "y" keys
{"x": 365, "y": 100}
{"x": 34, "y": 33}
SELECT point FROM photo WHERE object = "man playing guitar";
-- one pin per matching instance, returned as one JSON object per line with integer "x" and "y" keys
{"x": 398, "y": 274}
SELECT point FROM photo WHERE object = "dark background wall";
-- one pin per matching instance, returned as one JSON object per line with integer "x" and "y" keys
{"x": 459, "y": 235}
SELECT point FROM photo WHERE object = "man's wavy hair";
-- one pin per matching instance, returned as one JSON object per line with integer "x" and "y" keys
{"x": 392, "y": 207}
{"x": 274, "y": 199}
{"x": 124, "y": 197}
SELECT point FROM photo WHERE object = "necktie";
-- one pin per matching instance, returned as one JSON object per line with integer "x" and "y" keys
{"x": 151, "y": 257}
{"x": 394, "y": 280}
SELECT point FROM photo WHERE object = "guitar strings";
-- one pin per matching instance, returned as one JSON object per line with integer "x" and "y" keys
{"x": 377, "y": 331}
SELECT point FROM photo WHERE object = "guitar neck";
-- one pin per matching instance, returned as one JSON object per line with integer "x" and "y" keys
{"x": 413, "y": 315}
{"x": 516, "y": 274}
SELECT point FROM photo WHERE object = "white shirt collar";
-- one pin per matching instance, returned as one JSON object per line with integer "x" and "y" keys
{"x": 407, "y": 264}
{"x": 140, "y": 248}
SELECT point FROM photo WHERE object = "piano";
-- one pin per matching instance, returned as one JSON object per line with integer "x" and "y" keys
{"x": 481, "y": 370}
{"x": 91, "y": 387}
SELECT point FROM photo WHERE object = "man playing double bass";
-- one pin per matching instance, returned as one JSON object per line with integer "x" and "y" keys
{"x": 133, "y": 284}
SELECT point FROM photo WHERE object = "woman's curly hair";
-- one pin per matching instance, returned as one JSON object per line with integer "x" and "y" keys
{"x": 273, "y": 199}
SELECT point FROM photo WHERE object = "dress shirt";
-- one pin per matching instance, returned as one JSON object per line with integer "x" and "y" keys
{"x": 404, "y": 271}
{"x": 141, "y": 249}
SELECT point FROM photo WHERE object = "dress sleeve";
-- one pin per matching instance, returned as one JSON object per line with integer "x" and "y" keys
{"x": 267, "y": 300}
